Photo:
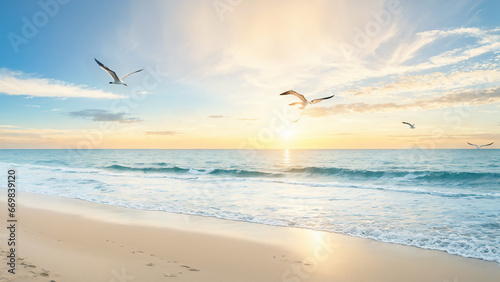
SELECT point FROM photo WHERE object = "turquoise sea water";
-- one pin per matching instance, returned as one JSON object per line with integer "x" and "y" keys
{"x": 446, "y": 200}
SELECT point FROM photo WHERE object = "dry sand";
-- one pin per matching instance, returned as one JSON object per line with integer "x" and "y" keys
{"x": 62, "y": 239}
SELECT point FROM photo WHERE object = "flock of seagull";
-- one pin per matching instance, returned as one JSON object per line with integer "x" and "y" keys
{"x": 303, "y": 101}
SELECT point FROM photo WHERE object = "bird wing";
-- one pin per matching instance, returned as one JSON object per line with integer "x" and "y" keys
{"x": 125, "y": 76}
{"x": 407, "y": 123}
{"x": 291, "y": 92}
{"x": 321, "y": 99}
{"x": 487, "y": 145}
{"x": 471, "y": 144}
{"x": 108, "y": 70}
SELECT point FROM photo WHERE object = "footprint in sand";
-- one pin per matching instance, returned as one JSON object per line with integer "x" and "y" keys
{"x": 28, "y": 265}
{"x": 190, "y": 268}
{"x": 149, "y": 264}
{"x": 283, "y": 258}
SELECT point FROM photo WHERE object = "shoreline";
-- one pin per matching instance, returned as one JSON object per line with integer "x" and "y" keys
{"x": 64, "y": 239}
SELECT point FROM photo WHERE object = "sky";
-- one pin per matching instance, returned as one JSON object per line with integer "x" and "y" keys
{"x": 213, "y": 72}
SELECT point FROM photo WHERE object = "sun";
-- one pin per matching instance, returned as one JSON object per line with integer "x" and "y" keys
{"x": 286, "y": 134}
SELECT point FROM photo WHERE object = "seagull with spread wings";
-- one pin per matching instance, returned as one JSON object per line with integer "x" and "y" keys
{"x": 116, "y": 79}
{"x": 304, "y": 102}
{"x": 412, "y": 126}
{"x": 480, "y": 146}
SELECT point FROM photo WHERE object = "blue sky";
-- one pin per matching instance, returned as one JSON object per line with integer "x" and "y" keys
{"x": 214, "y": 69}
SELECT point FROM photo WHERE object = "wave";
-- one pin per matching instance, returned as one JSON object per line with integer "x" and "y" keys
{"x": 175, "y": 169}
{"x": 324, "y": 171}
{"x": 323, "y": 176}
{"x": 44, "y": 162}
{"x": 408, "y": 175}
{"x": 415, "y": 182}
{"x": 148, "y": 169}
{"x": 394, "y": 176}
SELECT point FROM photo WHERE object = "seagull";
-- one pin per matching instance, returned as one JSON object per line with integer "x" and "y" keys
{"x": 116, "y": 79}
{"x": 412, "y": 126}
{"x": 479, "y": 147}
{"x": 304, "y": 102}
{"x": 297, "y": 120}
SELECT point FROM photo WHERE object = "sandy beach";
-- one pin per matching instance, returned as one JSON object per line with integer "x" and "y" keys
{"x": 61, "y": 239}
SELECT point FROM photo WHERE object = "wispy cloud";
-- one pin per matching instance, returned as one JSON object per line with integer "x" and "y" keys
{"x": 486, "y": 41}
{"x": 480, "y": 42}
{"x": 166, "y": 132}
{"x": 451, "y": 99}
{"x": 469, "y": 136}
{"x": 429, "y": 82}
{"x": 18, "y": 83}
{"x": 278, "y": 52}
{"x": 232, "y": 118}
{"x": 104, "y": 115}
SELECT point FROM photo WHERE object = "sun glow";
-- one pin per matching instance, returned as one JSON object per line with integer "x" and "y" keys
{"x": 287, "y": 160}
{"x": 286, "y": 134}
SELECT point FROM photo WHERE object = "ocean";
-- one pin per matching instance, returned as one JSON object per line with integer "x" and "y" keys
{"x": 446, "y": 200}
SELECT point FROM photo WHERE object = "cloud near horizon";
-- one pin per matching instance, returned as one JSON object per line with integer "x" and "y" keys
{"x": 166, "y": 132}
{"x": 103, "y": 115}
{"x": 437, "y": 81}
{"x": 450, "y": 99}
